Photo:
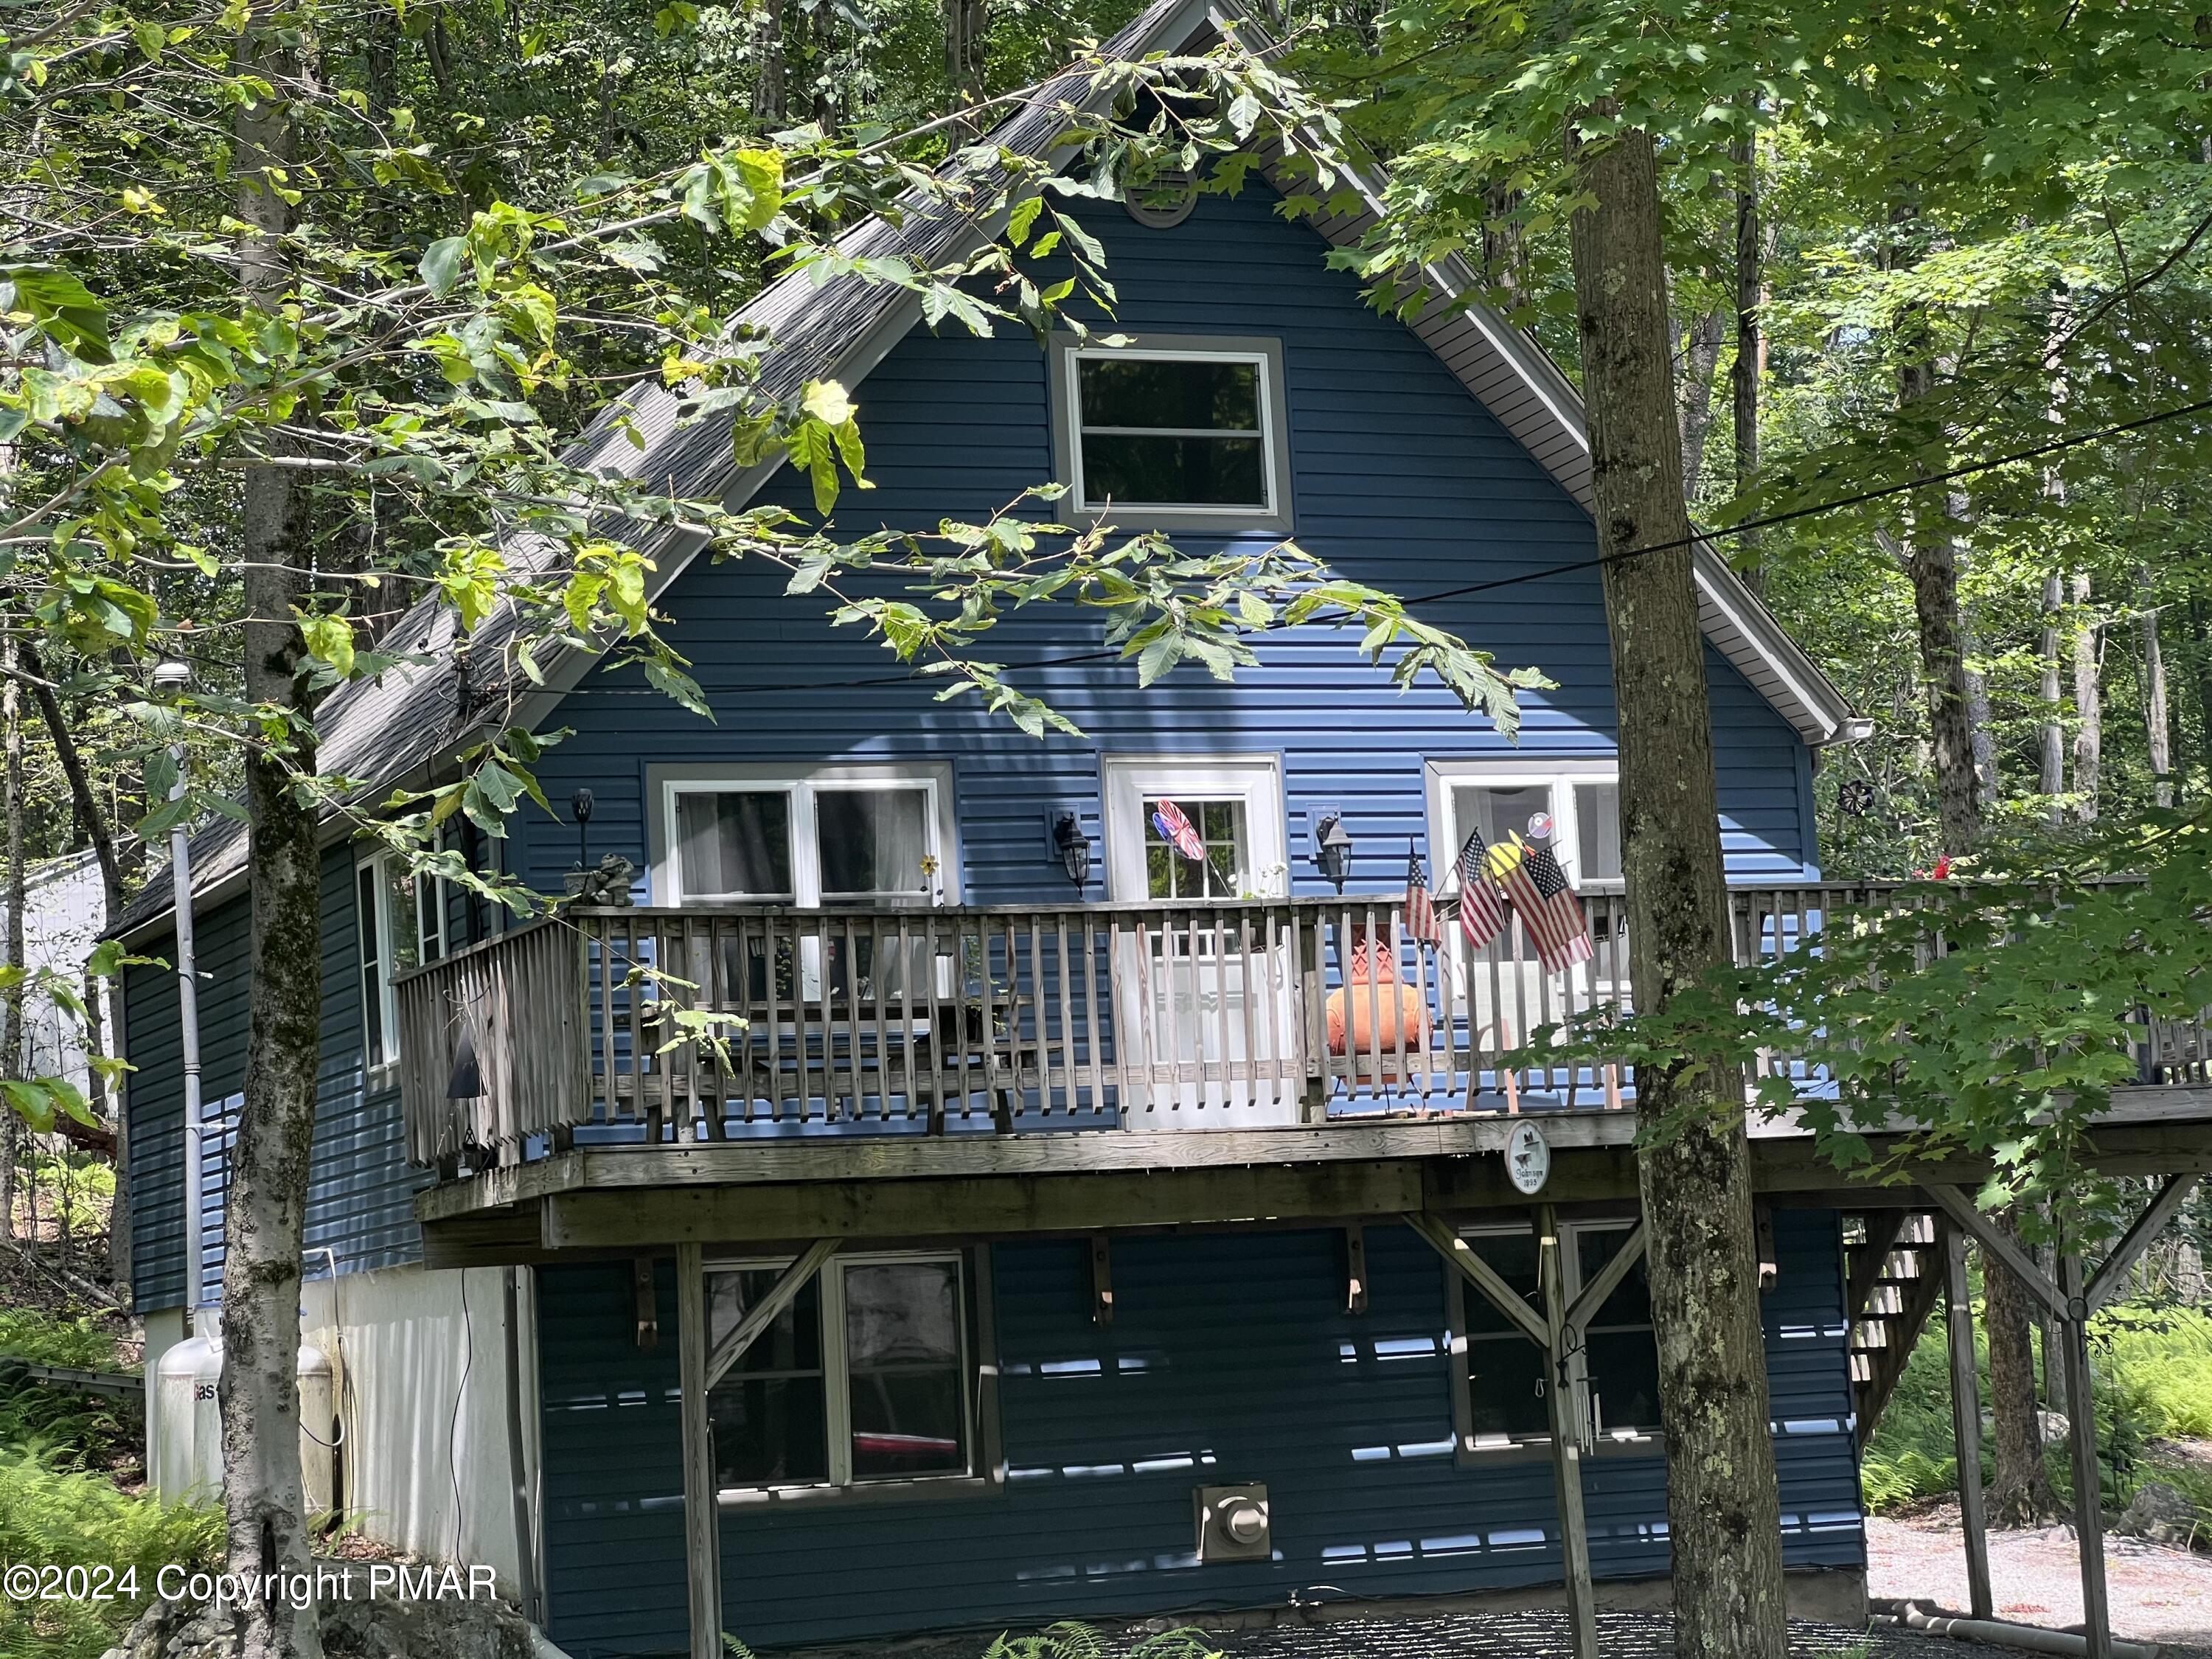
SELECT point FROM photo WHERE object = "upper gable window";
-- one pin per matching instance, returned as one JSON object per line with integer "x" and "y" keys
{"x": 1174, "y": 432}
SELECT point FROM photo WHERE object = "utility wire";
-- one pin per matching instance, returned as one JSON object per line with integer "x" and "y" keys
{"x": 1110, "y": 653}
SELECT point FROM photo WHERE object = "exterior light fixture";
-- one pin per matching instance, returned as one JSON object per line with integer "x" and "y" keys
{"x": 172, "y": 675}
{"x": 579, "y": 808}
{"x": 1333, "y": 849}
{"x": 1074, "y": 850}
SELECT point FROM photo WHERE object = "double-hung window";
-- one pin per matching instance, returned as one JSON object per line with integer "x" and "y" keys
{"x": 402, "y": 920}
{"x": 867, "y": 1377}
{"x": 1501, "y": 1377}
{"x": 1174, "y": 432}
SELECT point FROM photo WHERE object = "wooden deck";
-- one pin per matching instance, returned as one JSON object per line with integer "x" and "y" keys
{"x": 623, "y": 1200}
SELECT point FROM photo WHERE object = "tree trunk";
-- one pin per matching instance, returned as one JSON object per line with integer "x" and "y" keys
{"x": 2157, "y": 732}
{"x": 1722, "y": 1514}
{"x": 1750, "y": 347}
{"x": 265, "y": 1214}
{"x": 2051, "y": 732}
{"x": 1931, "y": 561}
{"x": 1701, "y": 361}
{"x": 770, "y": 108}
{"x": 964, "y": 21}
{"x": 2089, "y": 702}
{"x": 12, "y": 744}
{"x": 1504, "y": 249}
{"x": 2199, "y": 664}
{"x": 2020, "y": 1495}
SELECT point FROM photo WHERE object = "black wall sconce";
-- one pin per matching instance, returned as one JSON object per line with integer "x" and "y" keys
{"x": 1333, "y": 849}
{"x": 1074, "y": 847}
{"x": 579, "y": 807}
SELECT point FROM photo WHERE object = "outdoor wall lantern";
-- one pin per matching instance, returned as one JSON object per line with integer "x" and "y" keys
{"x": 1333, "y": 849}
{"x": 1074, "y": 847}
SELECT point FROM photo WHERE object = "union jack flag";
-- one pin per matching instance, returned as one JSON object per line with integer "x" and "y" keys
{"x": 1420, "y": 910}
{"x": 1176, "y": 829}
{"x": 1481, "y": 909}
{"x": 1548, "y": 906}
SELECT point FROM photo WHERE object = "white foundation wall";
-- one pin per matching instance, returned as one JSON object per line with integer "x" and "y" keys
{"x": 424, "y": 1394}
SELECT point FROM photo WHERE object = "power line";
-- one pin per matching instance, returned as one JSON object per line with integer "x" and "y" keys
{"x": 1074, "y": 660}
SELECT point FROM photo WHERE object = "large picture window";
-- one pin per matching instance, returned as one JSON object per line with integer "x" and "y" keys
{"x": 866, "y": 1377}
{"x": 1168, "y": 431}
{"x": 1501, "y": 1377}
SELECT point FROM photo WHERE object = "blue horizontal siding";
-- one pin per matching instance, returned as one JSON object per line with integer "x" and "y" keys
{"x": 1230, "y": 1359}
{"x": 361, "y": 1189}
{"x": 1399, "y": 479}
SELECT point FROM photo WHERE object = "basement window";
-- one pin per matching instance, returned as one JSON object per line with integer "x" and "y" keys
{"x": 1500, "y": 1377}
{"x": 1174, "y": 432}
{"x": 867, "y": 1378}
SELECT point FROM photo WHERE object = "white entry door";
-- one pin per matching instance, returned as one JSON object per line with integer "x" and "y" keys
{"x": 1200, "y": 995}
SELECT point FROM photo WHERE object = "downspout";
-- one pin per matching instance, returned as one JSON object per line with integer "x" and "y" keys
{"x": 525, "y": 1533}
{"x": 171, "y": 675}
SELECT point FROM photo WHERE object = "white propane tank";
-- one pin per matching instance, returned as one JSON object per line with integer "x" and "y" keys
{"x": 188, "y": 1440}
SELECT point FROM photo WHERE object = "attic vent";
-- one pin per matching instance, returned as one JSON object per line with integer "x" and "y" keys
{"x": 1163, "y": 201}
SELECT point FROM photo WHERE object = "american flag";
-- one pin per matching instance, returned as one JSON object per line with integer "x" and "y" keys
{"x": 1420, "y": 908}
{"x": 1482, "y": 910}
{"x": 1176, "y": 829}
{"x": 1548, "y": 906}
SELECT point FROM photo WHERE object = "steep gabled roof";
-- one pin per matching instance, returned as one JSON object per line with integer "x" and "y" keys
{"x": 391, "y": 731}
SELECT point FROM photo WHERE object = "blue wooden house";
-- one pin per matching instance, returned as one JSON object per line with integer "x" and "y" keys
{"x": 1074, "y": 1218}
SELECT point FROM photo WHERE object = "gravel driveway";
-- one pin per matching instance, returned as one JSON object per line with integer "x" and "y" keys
{"x": 2158, "y": 1593}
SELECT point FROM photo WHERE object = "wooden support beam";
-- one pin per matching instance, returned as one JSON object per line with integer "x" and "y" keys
{"x": 1101, "y": 1281}
{"x": 1561, "y": 1399}
{"x": 1607, "y": 1281}
{"x": 702, "y": 1509}
{"x": 1444, "y": 1240}
{"x": 2082, "y": 1431}
{"x": 976, "y": 1206}
{"x": 1966, "y": 1423}
{"x": 1960, "y": 1208}
{"x": 1355, "y": 1269}
{"x": 758, "y": 1317}
{"x": 2149, "y": 1225}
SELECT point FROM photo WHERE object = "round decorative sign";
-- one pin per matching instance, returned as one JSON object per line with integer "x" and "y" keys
{"x": 1540, "y": 826}
{"x": 1527, "y": 1159}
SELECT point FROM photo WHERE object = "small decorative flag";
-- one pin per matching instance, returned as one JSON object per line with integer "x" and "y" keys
{"x": 1177, "y": 830}
{"x": 1548, "y": 906}
{"x": 1420, "y": 908}
{"x": 1482, "y": 910}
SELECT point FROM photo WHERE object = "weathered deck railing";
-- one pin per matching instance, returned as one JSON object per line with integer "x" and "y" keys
{"x": 717, "y": 1024}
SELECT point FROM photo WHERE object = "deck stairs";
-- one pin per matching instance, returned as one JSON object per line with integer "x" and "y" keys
{"x": 1894, "y": 1262}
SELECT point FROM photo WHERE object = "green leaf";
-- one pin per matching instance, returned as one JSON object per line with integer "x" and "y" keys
{"x": 441, "y": 264}
{"x": 329, "y": 640}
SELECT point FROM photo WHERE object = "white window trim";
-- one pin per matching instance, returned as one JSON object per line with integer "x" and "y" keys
{"x": 1273, "y": 515}
{"x": 376, "y": 865}
{"x": 1257, "y": 779}
{"x": 1447, "y": 835}
{"x": 1470, "y": 1452}
{"x": 837, "y": 1379}
{"x": 664, "y": 784}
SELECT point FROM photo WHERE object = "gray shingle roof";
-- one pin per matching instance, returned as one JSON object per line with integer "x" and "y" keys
{"x": 392, "y": 729}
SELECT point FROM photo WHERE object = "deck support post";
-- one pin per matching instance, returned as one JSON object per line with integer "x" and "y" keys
{"x": 702, "y": 1530}
{"x": 1553, "y": 1332}
{"x": 2074, "y": 1303}
{"x": 1967, "y": 1423}
{"x": 1560, "y": 1395}
{"x": 2082, "y": 1430}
